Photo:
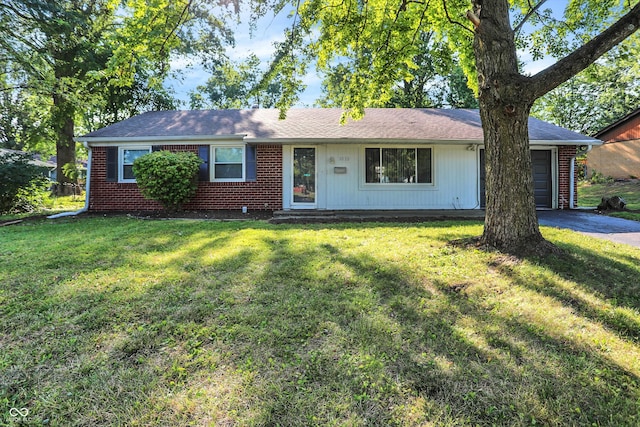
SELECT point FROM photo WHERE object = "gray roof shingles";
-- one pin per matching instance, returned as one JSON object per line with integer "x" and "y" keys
{"x": 322, "y": 124}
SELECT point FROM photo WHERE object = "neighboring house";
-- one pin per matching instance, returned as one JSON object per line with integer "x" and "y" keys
{"x": 47, "y": 168}
{"x": 619, "y": 156}
{"x": 81, "y": 165}
{"x": 391, "y": 159}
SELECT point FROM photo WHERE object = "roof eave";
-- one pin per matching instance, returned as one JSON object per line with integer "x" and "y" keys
{"x": 182, "y": 139}
{"x": 311, "y": 141}
{"x": 576, "y": 142}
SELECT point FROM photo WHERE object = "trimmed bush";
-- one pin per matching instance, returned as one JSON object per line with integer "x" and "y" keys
{"x": 169, "y": 178}
{"x": 21, "y": 183}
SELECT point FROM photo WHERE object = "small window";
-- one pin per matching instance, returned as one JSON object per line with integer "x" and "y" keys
{"x": 228, "y": 163}
{"x": 127, "y": 156}
{"x": 398, "y": 166}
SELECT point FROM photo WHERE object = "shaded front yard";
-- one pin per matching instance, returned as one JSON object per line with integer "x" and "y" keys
{"x": 117, "y": 321}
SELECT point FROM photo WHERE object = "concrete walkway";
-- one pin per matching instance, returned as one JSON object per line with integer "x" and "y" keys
{"x": 592, "y": 224}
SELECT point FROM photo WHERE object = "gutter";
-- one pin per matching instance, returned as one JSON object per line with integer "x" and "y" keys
{"x": 85, "y": 208}
{"x": 572, "y": 173}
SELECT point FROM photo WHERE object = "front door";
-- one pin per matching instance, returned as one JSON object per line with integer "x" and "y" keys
{"x": 304, "y": 177}
{"x": 541, "y": 163}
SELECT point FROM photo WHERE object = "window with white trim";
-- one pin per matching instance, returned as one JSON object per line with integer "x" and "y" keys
{"x": 228, "y": 163}
{"x": 127, "y": 155}
{"x": 398, "y": 165}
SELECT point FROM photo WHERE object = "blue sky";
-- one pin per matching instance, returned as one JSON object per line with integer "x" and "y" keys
{"x": 270, "y": 29}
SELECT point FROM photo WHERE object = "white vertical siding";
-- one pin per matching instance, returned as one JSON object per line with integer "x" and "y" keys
{"x": 340, "y": 181}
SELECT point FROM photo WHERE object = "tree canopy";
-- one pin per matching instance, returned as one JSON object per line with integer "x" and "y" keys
{"x": 436, "y": 80}
{"x": 94, "y": 61}
{"x": 236, "y": 85}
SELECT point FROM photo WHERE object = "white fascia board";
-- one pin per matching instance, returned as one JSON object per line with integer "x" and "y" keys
{"x": 566, "y": 142}
{"x": 360, "y": 141}
{"x": 176, "y": 140}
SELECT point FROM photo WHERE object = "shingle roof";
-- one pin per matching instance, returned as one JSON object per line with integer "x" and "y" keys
{"x": 321, "y": 125}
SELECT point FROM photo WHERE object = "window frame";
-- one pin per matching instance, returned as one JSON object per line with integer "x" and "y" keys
{"x": 213, "y": 163}
{"x": 397, "y": 185}
{"x": 121, "y": 164}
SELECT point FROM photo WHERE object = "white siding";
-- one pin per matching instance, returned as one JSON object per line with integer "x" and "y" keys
{"x": 455, "y": 181}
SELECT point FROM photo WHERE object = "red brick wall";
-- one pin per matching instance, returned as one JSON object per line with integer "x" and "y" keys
{"x": 263, "y": 194}
{"x": 565, "y": 153}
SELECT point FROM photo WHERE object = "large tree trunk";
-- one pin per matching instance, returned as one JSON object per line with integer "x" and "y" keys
{"x": 65, "y": 145}
{"x": 511, "y": 223}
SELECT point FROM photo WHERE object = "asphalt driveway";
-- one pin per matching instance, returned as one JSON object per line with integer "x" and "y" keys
{"x": 592, "y": 224}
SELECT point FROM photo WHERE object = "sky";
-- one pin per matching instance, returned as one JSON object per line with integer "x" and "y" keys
{"x": 271, "y": 29}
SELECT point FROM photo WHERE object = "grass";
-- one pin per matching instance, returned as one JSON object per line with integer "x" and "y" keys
{"x": 118, "y": 321}
{"x": 54, "y": 203}
{"x": 591, "y": 194}
{"x": 49, "y": 205}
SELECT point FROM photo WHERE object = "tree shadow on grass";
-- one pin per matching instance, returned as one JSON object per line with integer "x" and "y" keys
{"x": 289, "y": 327}
{"x": 602, "y": 288}
{"x": 373, "y": 348}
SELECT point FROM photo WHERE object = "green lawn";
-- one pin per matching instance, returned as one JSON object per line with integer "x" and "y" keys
{"x": 119, "y": 321}
{"x": 591, "y": 195}
{"x": 51, "y": 204}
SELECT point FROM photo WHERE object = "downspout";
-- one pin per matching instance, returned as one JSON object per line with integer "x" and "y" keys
{"x": 572, "y": 174}
{"x": 85, "y": 208}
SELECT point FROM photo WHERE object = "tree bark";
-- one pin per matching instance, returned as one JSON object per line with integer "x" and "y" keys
{"x": 65, "y": 145}
{"x": 511, "y": 223}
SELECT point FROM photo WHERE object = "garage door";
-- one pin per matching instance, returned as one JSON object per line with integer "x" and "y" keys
{"x": 542, "y": 184}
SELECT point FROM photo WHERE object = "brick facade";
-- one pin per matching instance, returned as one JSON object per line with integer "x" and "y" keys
{"x": 565, "y": 155}
{"x": 615, "y": 159}
{"x": 263, "y": 194}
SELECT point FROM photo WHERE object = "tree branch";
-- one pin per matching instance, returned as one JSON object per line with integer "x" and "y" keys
{"x": 179, "y": 22}
{"x": 446, "y": 11}
{"x": 528, "y": 15}
{"x": 551, "y": 77}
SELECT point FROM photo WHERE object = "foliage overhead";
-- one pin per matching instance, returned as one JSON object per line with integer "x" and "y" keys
{"x": 605, "y": 92}
{"x": 236, "y": 85}
{"x": 379, "y": 43}
{"x": 435, "y": 81}
{"x": 169, "y": 178}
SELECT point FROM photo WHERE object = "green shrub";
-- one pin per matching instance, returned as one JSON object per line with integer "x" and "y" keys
{"x": 598, "y": 178}
{"x": 21, "y": 183}
{"x": 169, "y": 178}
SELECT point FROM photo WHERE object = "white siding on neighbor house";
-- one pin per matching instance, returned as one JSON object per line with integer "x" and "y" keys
{"x": 454, "y": 173}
